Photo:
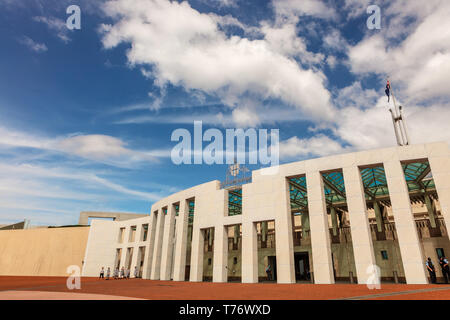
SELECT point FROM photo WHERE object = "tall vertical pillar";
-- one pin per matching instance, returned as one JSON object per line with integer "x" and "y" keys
{"x": 430, "y": 209}
{"x": 236, "y": 233}
{"x": 359, "y": 223}
{"x": 305, "y": 223}
{"x": 181, "y": 242}
{"x": 198, "y": 242}
{"x": 249, "y": 253}
{"x": 220, "y": 261}
{"x": 124, "y": 245}
{"x": 151, "y": 244}
{"x": 439, "y": 160}
{"x": 264, "y": 228}
{"x": 135, "y": 257}
{"x": 284, "y": 245}
{"x": 320, "y": 235}
{"x": 333, "y": 220}
{"x": 408, "y": 239}
{"x": 378, "y": 216}
{"x": 156, "y": 261}
{"x": 167, "y": 246}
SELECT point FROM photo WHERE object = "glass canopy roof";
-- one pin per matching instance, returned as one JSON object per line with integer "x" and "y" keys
{"x": 234, "y": 202}
{"x": 418, "y": 178}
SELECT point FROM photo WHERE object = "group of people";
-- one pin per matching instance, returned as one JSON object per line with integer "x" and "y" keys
{"x": 443, "y": 262}
{"x": 122, "y": 274}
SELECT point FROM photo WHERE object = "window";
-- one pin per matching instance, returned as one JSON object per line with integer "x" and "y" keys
{"x": 132, "y": 234}
{"x": 144, "y": 232}
{"x": 440, "y": 252}
{"x": 384, "y": 255}
{"x": 235, "y": 260}
{"x": 209, "y": 261}
{"x": 121, "y": 232}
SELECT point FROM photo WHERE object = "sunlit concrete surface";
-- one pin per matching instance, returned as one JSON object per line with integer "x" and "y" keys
{"x": 99, "y": 289}
{"x": 48, "y": 295}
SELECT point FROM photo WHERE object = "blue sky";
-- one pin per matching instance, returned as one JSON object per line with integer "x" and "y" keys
{"x": 86, "y": 115}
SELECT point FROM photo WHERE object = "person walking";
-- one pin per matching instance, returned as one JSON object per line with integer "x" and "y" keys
{"x": 116, "y": 273}
{"x": 269, "y": 272}
{"x": 431, "y": 270}
{"x": 102, "y": 273}
{"x": 445, "y": 268}
{"x": 108, "y": 273}
{"x": 136, "y": 272}
{"x": 127, "y": 273}
{"x": 122, "y": 273}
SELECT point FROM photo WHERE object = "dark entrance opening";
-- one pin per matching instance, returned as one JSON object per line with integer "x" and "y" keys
{"x": 272, "y": 260}
{"x": 301, "y": 262}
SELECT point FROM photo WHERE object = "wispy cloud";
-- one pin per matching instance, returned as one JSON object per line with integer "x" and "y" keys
{"x": 56, "y": 25}
{"x": 96, "y": 147}
{"x": 32, "y": 45}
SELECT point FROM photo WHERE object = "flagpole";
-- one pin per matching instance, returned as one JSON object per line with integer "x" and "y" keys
{"x": 404, "y": 125}
{"x": 393, "y": 114}
{"x": 394, "y": 122}
{"x": 398, "y": 116}
{"x": 399, "y": 122}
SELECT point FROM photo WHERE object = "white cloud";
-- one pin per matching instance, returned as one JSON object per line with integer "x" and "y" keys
{"x": 33, "y": 45}
{"x": 315, "y": 8}
{"x": 96, "y": 146}
{"x": 56, "y": 25}
{"x": 419, "y": 65}
{"x": 319, "y": 145}
{"x": 102, "y": 148}
{"x": 186, "y": 48}
{"x": 284, "y": 39}
{"x": 357, "y": 8}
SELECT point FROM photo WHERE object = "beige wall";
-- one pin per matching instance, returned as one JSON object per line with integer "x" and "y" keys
{"x": 116, "y": 216}
{"x": 104, "y": 241}
{"x": 41, "y": 252}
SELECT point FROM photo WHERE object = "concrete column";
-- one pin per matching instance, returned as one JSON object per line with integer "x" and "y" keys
{"x": 220, "y": 261}
{"x": 156, "y": 263}
{"x": 378, "y": 216}
{"x": 359, "y": 223}
{"x": 236, "y": 233}
{"x": 439, "y": 160}
{"x": 410, "y": 247}
{"x": 181, "y": 242}
{"x": 305, "y": 223}
{"x": 137, "y": 238}
{"x": 167, "y": 246}
{"x": 333, "y": 220}
{"x": 124, "y": 245}
{"x": 284, "y": 245}
{"x": 249, "y": 253}
{"x": 134, "y": 260}
{"x": 430, "y": 209}
{"x": 264, "y": 228}
{"x": 198, "y": 242}
{"x": 320, "y": 235}
{"x": 150, "y": 246}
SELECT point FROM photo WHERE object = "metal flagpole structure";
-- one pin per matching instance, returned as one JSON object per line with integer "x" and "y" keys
{"x": 400, "y": 129}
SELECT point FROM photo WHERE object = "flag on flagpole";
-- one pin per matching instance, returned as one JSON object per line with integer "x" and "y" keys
{"x": 388, "y": 91}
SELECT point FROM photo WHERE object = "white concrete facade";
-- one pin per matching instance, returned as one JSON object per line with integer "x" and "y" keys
{"x": 266, "y": 198}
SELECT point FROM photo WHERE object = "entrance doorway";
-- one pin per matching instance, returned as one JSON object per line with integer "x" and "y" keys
{"x": 301, "y": 262}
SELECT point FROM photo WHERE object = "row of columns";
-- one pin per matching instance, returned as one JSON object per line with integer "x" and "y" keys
{"x": 409, "y": 242}
{"x": 162, "y": 233}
